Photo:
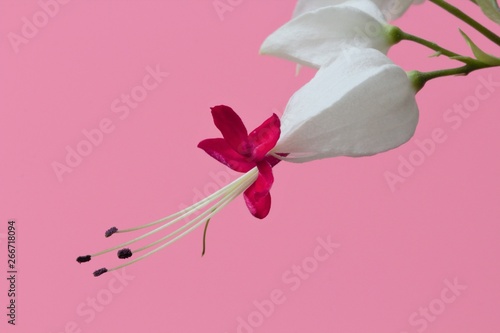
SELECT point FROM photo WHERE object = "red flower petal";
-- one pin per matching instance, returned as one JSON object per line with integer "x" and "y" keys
{"x": 259, "y": 207}
{"x": 222, "y": 152}
{"x": 257, "y": 196}
{"x": 264, "y": 137}
{"x": 232, "y": 128}
{"x": 265, "y": 179}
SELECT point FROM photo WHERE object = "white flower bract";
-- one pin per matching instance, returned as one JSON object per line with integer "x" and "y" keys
{"x": 316, "y": 37}
{"x": 358, "y": 105}
{"x": 391, "y": 9}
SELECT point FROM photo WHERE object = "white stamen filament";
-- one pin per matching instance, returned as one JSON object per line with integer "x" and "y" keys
{"x": 198, "y": 205}
{"x": 232, "y": 191}
{"x": 204, "y": 216}
{"x": 190, "y": 210}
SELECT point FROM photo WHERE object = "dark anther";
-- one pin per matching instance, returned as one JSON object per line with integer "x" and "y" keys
{"x": 81, "y": 259}
{"x": 110, "y": 231}
{"x": 124, "y": 253}
{"x": 100, "y": 271}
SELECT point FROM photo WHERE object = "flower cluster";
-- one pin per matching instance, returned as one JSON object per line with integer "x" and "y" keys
{"x": 359, "y": 103}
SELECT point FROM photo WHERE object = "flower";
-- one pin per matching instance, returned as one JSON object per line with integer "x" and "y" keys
{"x": 242, "y": 152}
{"x": 354, "y": 106}
{"x": 247, "y": 153}
{"x": 358, "y": 105}
{"x": 316, "y": 37}
{"x": 391, "y": 9}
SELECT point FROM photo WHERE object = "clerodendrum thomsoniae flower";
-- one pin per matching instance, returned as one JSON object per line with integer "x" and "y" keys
{"x": 355, "y": 106}
{"x": 359, "y": 103}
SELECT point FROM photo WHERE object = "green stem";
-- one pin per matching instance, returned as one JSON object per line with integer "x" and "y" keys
{"x": 469, "y": 20}
{"x": 419, "y": 79}
{"x": 397, "y": 35}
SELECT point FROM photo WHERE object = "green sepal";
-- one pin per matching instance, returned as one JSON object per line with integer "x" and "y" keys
{"x": 480, "y": 54}
{"x": 490, "y": 9}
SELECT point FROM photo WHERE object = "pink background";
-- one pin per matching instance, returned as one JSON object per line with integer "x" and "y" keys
{"x": 399, "y": 249}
